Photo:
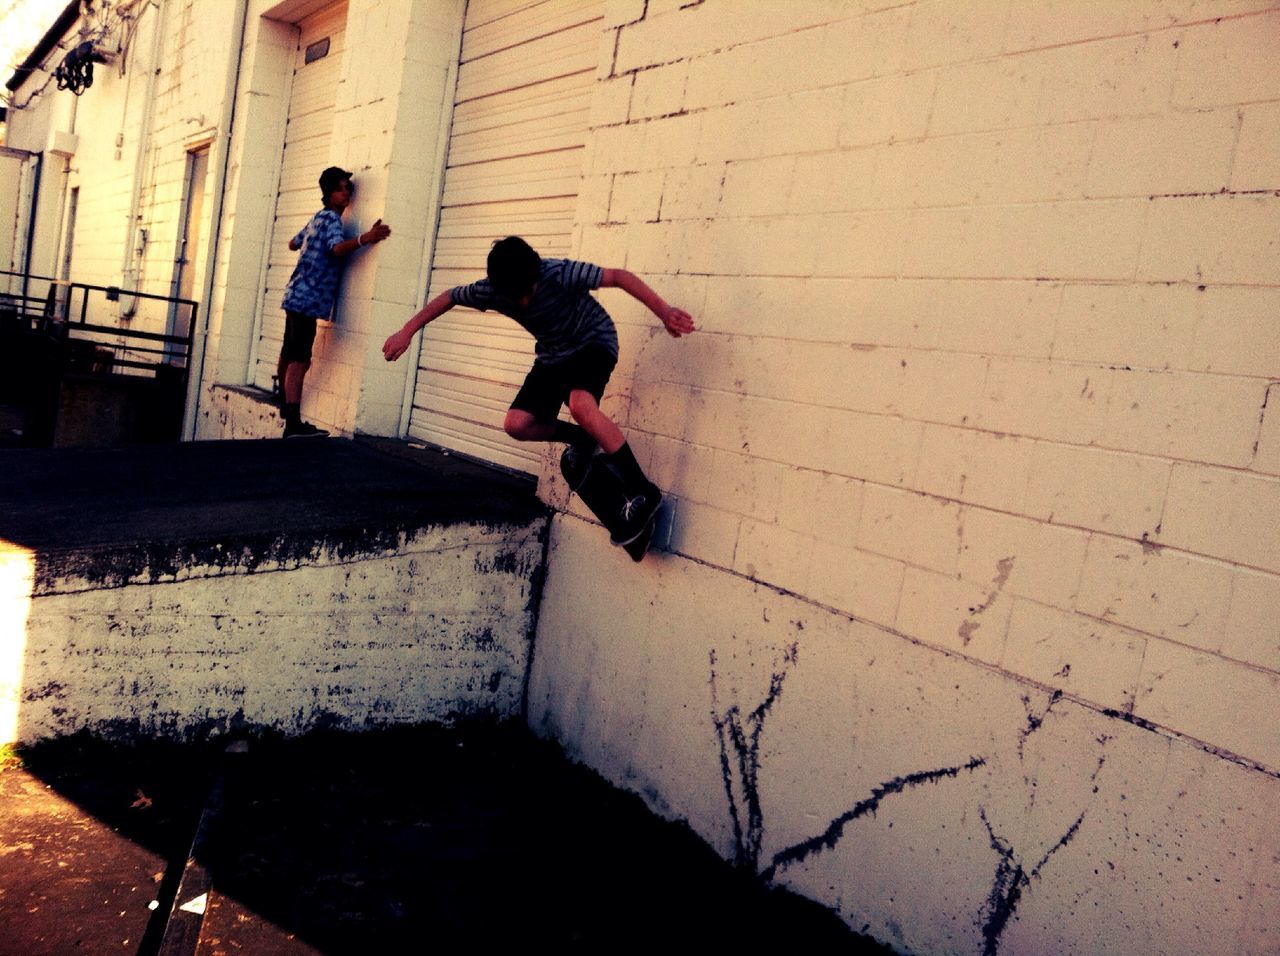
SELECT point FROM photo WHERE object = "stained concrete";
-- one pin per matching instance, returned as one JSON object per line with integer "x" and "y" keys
{"x": 183, "y": 590}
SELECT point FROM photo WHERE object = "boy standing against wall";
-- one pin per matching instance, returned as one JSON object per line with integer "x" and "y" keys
{"x": 576, "y": 351}
{"x": 312, "y": 289}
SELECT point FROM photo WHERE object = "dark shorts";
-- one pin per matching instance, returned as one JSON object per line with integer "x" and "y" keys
{"x": 299, "y": 336}
{"x": 547, "y": 387}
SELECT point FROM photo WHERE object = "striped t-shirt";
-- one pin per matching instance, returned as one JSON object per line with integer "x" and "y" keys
{"x": 562, "y": 316}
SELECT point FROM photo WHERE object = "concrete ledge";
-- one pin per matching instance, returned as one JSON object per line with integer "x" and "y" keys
{"x": 237, "y": 412}
{"x": 183, "y": 591}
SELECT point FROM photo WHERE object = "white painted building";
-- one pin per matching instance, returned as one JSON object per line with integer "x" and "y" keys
{"x": 968, "y": 622}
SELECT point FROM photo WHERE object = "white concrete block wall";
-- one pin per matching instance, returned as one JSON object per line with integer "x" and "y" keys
{"x": 135, "y": 135}
{"x": 930, "y": 798}
{"x": 986, "y": 268}
{"x": 986, "y": 362}
{"x": 433, "y": 629}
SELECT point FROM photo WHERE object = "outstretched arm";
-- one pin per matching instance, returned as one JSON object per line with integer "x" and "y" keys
{"x": 678, "y": 322}
{"x": 374, "y": 234}
{"x": 398, "y": 342}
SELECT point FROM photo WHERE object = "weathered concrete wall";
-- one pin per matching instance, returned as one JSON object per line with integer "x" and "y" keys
{"x": 230, "y": 413}
{"x": 983, "y": 395}
{"x": 158, "y": 98}
{"x": 183, "y": 644}
{"x": 938, "y": 803}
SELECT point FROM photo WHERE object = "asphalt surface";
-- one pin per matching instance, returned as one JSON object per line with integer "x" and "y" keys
{"x": 60, "y": 498}
{"x": 404, "y": 841}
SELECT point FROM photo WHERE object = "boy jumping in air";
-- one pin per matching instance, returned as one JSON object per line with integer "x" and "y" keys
{"x": 575, "y": 353}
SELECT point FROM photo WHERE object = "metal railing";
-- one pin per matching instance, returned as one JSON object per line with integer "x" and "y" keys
{"x": 67, "y": 310}
{"x": 84, "y": 364}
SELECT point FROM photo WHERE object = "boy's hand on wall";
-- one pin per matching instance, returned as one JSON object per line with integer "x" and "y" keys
{"x": 678, "y": 321}
{"x": 375, "y": 233}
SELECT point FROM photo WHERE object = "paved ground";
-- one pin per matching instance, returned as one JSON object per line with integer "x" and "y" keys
{"x": 60, "y": 498}
{"x": 394, "y": 842}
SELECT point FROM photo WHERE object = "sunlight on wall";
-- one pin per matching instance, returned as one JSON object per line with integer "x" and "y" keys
{"x": 17, "y": 577}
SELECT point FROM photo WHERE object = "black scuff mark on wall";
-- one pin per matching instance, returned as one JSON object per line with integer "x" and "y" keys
{"x": 739, "y": 739}
{"x": 1262, "y": 417}
{"x": 831, "y": 836}
{"x": 118, "y": 565}
{"x": 1035, "y": 720}
{"x": 1004, "y": 568}
{"x": 1011, "y": 880}
{"x": 51, "y": 690}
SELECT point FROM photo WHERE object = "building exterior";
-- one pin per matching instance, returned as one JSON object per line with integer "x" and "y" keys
{"x": 967, "y": 621}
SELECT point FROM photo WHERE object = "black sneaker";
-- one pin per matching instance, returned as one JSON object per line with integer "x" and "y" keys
{"x": 638, "y": 513}
{"x": 304, "y": 430}
{"x": 575, "y": 462}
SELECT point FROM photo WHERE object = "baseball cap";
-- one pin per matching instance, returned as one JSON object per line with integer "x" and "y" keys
{"x": 331, "y": 178}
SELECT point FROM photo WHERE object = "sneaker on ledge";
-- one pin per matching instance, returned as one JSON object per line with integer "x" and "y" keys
{"x": 304, "y": 430}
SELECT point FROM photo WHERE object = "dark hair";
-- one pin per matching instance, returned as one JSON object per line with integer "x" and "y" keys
{"x": 331, "y": 179}
{"x": 513, "y": 267}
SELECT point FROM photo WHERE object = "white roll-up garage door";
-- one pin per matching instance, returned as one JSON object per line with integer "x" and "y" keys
{"x": 515, "y": 163}
{"x": 306, "y": 153}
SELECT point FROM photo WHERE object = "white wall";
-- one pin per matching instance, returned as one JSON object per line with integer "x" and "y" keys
{"x": 134, "y": 135}
{"x": 986, "y": 296}
{"x": 392, "y": 115}
{"x": 939, "y": 804}
{"x": 189, "y": 642}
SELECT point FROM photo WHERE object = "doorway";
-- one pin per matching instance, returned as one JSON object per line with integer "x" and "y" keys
{"x": 187, "y": 258}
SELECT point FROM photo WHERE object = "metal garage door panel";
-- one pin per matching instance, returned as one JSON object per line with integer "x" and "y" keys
{"x": 548, "y": 174}
{"x": 537, "y": 61}
{"x": 511, "y": 124}
{"x": 497, "y": 26}
{"x": 306, "y": 153}
{"x": 515, "y": 164}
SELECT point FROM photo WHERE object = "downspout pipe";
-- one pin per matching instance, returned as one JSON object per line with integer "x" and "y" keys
{"x": 200, "y": 337}
{"x": 135, "y": 247}
{"x": 31, "y": 224}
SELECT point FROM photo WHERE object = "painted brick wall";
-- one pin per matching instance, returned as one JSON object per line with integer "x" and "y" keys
{"x": 969, "y": 623}
{"x": 434, "y": 629}
{"x": 987, "y": 296}
{"x": 934, "y": 802}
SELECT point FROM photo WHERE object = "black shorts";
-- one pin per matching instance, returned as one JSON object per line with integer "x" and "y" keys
{"x": 547, "y": 387}
{"x": 299, "y": 336}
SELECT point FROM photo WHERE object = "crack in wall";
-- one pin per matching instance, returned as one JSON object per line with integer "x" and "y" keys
{"x": 743, "y": 735}
{"x": 1035, "y": 721}
{"x": 1011, "y": 880}
{"x": 1262, "y": 417}
{"x": 831, "y": 836}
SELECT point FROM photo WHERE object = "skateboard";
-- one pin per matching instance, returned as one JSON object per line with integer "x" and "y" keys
{"x": 601, "y": 491}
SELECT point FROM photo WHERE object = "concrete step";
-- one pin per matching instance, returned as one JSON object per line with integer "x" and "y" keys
{"x": 184, "y": 590}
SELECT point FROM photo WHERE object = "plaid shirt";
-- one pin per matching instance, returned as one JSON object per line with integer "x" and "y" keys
{"x": 313, "y": 287}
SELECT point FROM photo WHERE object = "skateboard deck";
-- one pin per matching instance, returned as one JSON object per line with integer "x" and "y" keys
{"x": 601, "y": 491}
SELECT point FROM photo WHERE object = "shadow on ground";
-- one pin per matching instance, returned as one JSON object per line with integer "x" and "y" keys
{"x": 385, "y": 842}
